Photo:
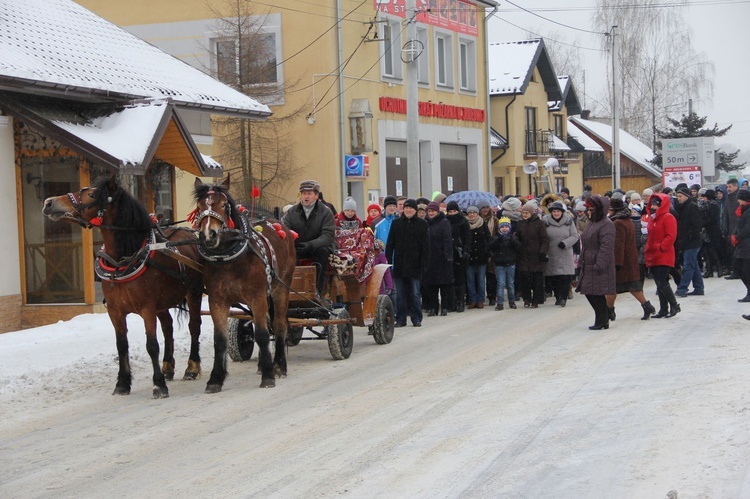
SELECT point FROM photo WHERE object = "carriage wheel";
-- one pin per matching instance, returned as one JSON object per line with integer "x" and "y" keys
{"x": 382, "y": 328}
{"x": 294, "y": 336}
{"x": 340, "y": 336}
{"x": 240, "y": 339}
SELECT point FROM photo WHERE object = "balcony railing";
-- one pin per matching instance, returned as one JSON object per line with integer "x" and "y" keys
{"x": 540, "y": 143}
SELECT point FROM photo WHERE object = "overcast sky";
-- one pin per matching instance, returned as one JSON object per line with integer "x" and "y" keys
{"x": 719, "y": 31}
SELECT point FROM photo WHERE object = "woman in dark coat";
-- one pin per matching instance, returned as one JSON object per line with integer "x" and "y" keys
{"x": 533, "y": 258}
{"x": 478, "y": 256}
{"x": 461, "y": 234}
{"x": 660, "y": 252}
{"x": 712, "y": 240}
{"x": 628, "y": 272}
{"x": 439, "y": 275}
{"x": 741, "y": 240}
{"x": 597, "y": 260}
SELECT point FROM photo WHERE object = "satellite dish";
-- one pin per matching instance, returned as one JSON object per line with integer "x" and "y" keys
{"x": 531, "y": 168}
{"x": 551, "y": 163}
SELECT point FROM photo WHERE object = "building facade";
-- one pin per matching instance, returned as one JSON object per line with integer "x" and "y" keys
{"x": 339, "y": 82}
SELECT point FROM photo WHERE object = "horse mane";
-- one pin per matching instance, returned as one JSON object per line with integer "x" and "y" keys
{"x": 130, "y": 215}
{"x": 201, "y": 191}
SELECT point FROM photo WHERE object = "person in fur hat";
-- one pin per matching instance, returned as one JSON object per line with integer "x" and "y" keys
{"x": 628, "y": 274}
{"x": 547, "y": 200}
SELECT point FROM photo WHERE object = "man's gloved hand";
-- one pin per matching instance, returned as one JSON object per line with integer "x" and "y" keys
{"x": 561, "y": 245}
{"x": 543, "y": 257}
{"x": 303, "y": 247}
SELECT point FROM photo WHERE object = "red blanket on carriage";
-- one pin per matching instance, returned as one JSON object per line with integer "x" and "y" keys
{"x": 354, "y": 254}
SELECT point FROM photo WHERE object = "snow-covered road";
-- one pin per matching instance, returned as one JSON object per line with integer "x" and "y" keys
{"x": 519, "y": 403}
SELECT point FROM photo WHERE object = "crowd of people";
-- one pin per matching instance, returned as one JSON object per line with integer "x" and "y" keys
{"x": 447, "y": 259}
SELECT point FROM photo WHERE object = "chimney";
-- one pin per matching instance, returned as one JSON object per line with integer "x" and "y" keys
{"x": 585, "y": 113}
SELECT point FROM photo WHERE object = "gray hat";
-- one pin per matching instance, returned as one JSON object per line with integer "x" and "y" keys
{"x": 580, "y": 206}
{"x": 350, "y": 204}
{"x": 557, "y": 205}
{"x": 635, "y": 197}
{"x": 511, "y": 204}
{"x": 309, "y": 185}
{"x": 472, "y": 208}
{"x": 648, "y": 192}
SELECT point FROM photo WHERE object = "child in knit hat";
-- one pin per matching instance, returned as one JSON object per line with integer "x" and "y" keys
{"x": 504, "y": 251}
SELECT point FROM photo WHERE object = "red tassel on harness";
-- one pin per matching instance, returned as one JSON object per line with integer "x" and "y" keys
{"x": 191, "y": 216}
{"x": 96, "y": 221}
{"x": 279, "y": 230}
{"x": 294, "y": 234}
{"x": 230, "y": 223}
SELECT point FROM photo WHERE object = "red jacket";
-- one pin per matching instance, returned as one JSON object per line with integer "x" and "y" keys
{"x": 662, "y": 233}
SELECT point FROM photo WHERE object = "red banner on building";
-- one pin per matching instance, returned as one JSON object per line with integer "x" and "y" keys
{"x": 433, "y": 110}
{"x": 454, "y": 15}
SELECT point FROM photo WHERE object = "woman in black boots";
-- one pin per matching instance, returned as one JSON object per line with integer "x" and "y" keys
{"x": 597, "y": 260}
{"x": 660, "y": 254}
{"x": 628, "y": 274}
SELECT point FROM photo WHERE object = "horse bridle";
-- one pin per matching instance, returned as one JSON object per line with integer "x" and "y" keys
{"x": 79, "y": 207}
{"x": 210, "y": 213}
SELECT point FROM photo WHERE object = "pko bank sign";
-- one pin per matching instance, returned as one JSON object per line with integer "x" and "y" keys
{"x": 694, "y": 151}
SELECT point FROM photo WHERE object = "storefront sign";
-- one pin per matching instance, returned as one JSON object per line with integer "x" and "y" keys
{"x": 357, "y": 166}
{"x": 433, "y": 110}
{"x": 454, "y": 15}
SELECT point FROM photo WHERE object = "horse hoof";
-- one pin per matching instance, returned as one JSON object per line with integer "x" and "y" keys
{"x": 168, "y": 376}
{"x": 160, "y": 393}
{"x": 190, "y": 376}
{"x": 121, "y": 390}
{"x": 213, "y": 388}
{"x": 268, "y": 383}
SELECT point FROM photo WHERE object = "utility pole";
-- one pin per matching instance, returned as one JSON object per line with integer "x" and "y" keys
{"x": 615, "y": 112}
{"x": 414, "y": 189}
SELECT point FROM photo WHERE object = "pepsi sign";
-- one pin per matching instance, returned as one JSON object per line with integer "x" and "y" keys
{"x": 357, "y": 165}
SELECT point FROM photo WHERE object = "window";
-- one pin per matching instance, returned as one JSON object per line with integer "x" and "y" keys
{"x": 559, "y": 126}
{"x": 251, "y": 59}
{"x": 531, "y": 131}
{"x": 444, "y": 59}
{"x": 423, "y": 62}
{"x": 468, "y": 64}
{"x": 390, "y": 64}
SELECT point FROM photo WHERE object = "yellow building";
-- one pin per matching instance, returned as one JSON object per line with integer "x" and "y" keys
{"x": 362, "y": 113}
{"x": 529, "y": 107}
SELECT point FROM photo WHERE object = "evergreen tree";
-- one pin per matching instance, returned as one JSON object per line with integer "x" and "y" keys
{"x": 692, "y": 125}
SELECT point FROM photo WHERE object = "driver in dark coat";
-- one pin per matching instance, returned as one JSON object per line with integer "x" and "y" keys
{"x": 315, "y": 224}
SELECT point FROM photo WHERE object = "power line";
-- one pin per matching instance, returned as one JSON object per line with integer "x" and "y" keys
{"x": 697, "y": 3}
{"x": 555, "y": 22}
{"x": 494, "y": 14}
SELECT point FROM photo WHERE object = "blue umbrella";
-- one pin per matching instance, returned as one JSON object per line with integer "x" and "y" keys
{"x": 472, "y": 198}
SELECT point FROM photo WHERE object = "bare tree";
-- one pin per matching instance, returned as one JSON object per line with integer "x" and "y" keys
{"x": 256, "y": 153}
{"x": 565, "y": 56}
{"x": 660, "y": 69}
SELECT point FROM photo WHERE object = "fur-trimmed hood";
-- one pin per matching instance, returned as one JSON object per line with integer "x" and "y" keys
{"x": 547, "y": 200}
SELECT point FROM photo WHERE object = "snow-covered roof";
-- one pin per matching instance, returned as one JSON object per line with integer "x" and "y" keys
{"x": 557, "y": 144}
{"x": 511, "y": 65}
{"x": 57, "y": 46}
{"x": 497, "y": 141}
{"x": 587, "y": 142}
{"x": 631, "y": 147}
{"x": 124, "y": 138}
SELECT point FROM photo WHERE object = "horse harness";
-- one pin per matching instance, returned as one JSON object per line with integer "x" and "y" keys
{"x": 130, "y": 268}
{"x": 249, "y": 236}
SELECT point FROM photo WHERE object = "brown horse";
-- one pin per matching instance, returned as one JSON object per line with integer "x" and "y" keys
{"x": 135, "y": 280}
{"x": 249, "y": 262}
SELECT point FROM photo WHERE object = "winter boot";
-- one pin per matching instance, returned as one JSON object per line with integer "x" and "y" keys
{"x": 460, "y": 297}
{"x": 563, "y": 302}
{"x": 611, "y": 313}
{"x": 512, "y": 304}
{"x": 674, "y": 309}
{"x": 648, "y": 309}
{"x": 499, "y": 306}
{"x": 663, "y": 308}
{"x": 432, "y": 312}
{"x": 443, "y": 312}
